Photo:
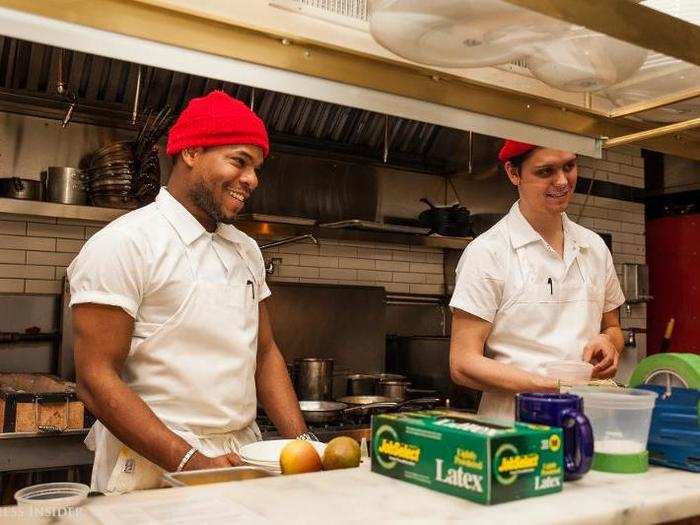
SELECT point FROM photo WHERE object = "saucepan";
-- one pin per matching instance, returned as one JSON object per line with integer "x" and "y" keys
{"x": 366, "y": 384}
{"x": 16, "y": 188}
{"x": 399, "y": 390}
{"x": 361, "y": 385}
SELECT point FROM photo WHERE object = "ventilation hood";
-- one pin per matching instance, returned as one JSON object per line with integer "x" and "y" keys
{"x": 105, "y": 93}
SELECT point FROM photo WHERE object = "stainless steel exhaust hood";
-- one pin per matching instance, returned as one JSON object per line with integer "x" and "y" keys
{"x": 105, "y": 91}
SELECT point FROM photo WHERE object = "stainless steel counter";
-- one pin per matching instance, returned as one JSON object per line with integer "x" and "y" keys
{"x": 29, "y": 451}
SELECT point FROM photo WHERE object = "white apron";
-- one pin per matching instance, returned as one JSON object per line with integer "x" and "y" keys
{"x": 197, "y": 373}
{"x": 537, "y": 324}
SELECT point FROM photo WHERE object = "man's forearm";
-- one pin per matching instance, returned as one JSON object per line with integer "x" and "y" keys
{"x": 276, "y": 393}
{"x": 126, "y": 416}
{"x": 489, "y": 375}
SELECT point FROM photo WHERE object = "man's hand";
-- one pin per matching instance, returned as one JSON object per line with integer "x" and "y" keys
{"x": 199, "y": 461}
{"x": 601, "y": 352}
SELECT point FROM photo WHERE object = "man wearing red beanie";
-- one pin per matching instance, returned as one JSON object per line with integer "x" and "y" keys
{"x": 534, "y": 289}
{"x": 173, "y": 344}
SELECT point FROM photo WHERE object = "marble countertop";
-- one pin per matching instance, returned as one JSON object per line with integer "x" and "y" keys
{"x": 361, "y": 496}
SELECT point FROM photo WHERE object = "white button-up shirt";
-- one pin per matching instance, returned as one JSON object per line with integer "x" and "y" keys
{"x": 490, "y": 268}
{"x": 138, "y": 262}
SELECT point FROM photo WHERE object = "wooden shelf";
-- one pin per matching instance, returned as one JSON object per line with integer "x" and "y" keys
{"x": 258, "y": 229}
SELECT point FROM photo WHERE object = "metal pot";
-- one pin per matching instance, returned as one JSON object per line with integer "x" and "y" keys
{"x": 26, "y": 189}
{"x": 65, "y": 185}
{"x": 393, "y": 389}
{"x": 313, "y": 378}
{"x": 361, "y": 385}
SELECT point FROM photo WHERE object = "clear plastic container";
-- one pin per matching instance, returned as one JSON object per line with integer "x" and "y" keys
{"x": 569, "y": 370}
{"x": 51, "y": 498}
{"x": 620, "y": 418}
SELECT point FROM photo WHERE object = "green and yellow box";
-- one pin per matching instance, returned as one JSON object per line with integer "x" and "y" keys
{"x": 483, "y": 460}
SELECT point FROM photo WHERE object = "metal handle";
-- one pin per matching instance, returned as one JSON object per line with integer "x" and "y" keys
{"x": 420, "y": 401}
{"x": 49, "y": 428}
{"x": 69, "y": 114}
{"x": 362, "y": 408}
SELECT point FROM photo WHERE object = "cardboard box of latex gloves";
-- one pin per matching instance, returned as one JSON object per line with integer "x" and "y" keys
{"x": 482, "y": 460}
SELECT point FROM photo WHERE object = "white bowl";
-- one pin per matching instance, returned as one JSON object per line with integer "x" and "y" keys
{"x": 269, "y": 451}
{"x": 51, "y": 498}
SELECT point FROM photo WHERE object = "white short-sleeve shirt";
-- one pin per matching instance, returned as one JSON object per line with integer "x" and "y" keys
{"x": 138, "y": 262}
{"x": 489, "y": 264}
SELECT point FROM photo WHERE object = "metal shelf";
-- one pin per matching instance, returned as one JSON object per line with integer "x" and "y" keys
{"x": 60, "y": 211}
{"x": 257, "y": 229}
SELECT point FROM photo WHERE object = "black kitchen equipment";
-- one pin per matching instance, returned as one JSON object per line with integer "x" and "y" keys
{"x": 446, "y": 220}
{"x": 26, "y": 189}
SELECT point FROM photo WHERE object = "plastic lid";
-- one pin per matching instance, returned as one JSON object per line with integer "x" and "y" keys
{"x": 52, "y": 497}
{"x": 569, "y": 365}
{"x": 616, "y": 398}
{"x": 581, "y": 368}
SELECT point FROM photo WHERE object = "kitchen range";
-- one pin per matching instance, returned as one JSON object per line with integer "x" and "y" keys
{"x": 388, "y": 265}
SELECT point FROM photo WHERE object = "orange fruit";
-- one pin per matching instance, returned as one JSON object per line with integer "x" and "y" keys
{"x": 299, "y": 456}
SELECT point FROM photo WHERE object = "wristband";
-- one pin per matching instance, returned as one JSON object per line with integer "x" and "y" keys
{"x": 308, "y": 436}
{"x": 185, "y": 459}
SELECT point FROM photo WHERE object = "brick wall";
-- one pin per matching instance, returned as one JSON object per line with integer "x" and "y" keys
{"x": 35, "y": 251}
{"x": 398, "y": 268}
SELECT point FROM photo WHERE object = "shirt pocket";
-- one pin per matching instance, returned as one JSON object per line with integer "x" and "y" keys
{"x": 538, "y": 289}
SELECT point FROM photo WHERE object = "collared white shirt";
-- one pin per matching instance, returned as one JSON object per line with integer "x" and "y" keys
{"x": 139, "y": 264}
{"x": 489, "y": 268}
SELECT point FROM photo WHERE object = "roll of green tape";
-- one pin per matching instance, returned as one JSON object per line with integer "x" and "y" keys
{"x": 685, "y": 366}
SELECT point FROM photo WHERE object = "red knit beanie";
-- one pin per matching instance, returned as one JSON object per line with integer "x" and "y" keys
{"x": 217, "y": 119}
{"x": 513, "y": 148}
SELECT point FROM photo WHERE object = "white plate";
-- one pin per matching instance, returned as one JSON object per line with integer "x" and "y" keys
{"x": 269, "y": 451}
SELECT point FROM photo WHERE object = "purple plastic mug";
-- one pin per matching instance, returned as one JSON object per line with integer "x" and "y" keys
{"x": 565, "y": 411}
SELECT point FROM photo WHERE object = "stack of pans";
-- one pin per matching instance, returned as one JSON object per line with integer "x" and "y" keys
{"x": 126, "y": 174}
{"x": 118, "y": 180}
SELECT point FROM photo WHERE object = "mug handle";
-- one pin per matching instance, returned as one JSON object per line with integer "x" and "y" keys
{"x": 583, "y": 443}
